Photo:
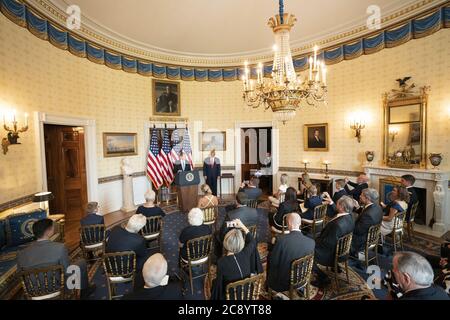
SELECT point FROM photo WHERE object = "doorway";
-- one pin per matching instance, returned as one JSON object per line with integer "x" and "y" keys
{"x": 257, "y": 156}
{"x": 66, "y": 176}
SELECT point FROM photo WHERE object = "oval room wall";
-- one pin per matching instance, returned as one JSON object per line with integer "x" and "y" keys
{"x": 36, "y": 77}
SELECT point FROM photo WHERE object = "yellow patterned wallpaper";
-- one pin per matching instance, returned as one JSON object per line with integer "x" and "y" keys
{"x": 35, "y": 76}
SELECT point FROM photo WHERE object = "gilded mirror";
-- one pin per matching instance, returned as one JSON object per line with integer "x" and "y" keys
{"x": 405, "y": 114}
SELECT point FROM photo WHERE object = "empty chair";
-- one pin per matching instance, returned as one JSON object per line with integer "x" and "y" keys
{"x": 119, "y": 268}
{"x": 152, "y": 230}
{"x": 93, "y": 241}
{"x": 198, "y": 255}
{"x": 247, "y": 289}
{"x": 410, "y": 223}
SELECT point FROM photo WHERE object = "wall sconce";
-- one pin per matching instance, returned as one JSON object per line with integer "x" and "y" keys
{"x": 358, "y": 125}
{"x": 393, "y": 133}
{"x": 13, "y": 133}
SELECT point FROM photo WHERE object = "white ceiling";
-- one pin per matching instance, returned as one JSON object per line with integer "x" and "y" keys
{"x": 221, "y": 27}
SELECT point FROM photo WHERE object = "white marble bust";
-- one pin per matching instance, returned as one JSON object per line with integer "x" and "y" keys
{"x": 127, "y": 170}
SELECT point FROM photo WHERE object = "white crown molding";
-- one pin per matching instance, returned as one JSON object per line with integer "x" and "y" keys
{"x": 97, "y": 33}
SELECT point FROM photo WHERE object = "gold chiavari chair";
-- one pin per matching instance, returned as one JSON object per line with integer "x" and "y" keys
{"x": 253, "y": 203}
{"x": 411, "y": 222}
{"x": 254, "y": 231}
{"x": 93, "y": 240}
{"x": 300, "y": 275}
{"x": 372, "y": 242}
{"x": 44, "y": 283}
{"x": 210, "y": 215}
{"x": 397, "y": 231}
{"x": 247, "y": 289}
{"x": 342, "y": 253}
{"x": 152, "y": 230}
{"x": 120, "y": 267}
{"x": 320, "y": 213}
{"x": 198, "y": 254}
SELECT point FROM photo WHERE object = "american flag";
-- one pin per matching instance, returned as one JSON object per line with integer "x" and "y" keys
{"x": 164, "y": 160}
{"x": 187, "y": 147}
{"x": 154, "y": 171}
{"x": 175, "y": 152}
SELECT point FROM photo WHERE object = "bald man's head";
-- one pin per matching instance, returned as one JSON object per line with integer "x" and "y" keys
{"x": 155, "y": 270}
{"x": 294, "y": 221}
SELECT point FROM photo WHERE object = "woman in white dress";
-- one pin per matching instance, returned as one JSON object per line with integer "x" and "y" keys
{"x": 399, "y": 203}
{"x": 275, "y": 200}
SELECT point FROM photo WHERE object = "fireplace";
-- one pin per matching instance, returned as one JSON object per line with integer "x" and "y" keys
{"x": 421, "y": 214}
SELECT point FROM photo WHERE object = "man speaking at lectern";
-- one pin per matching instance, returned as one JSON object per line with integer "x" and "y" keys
{"x": 182, "y": 165}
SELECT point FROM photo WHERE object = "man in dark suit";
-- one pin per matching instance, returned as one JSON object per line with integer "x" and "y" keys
{"x": 211, "y": 171}
{"x": 182, "y": 165}
{"x": 44, "y": 253}
{"x": 325, "y": 252}
{"x": 316, "y": 142}
{"x": 157, "y": 285}
{"x": 408, "y": 182}
{"x": 288, "y": 248}
{"x": 371, "y": 215}
{"x": 129, "y": 239}
{"x": 358, "y": 187}
{"x": 251, "y": 188}
{"x": 312, "y": 201}
{"x": 92, "y": 217}
{"x": 340, "y": 192}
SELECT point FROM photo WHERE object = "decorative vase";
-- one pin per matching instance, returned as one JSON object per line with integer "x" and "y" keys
{"x": 435, "y": 159}
{"x": 370, "y": 155}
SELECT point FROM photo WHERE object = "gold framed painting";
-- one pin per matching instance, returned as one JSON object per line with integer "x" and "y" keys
{"x": 316, "y": 137}
{"x": 119, "y": 144}
{"x": 213, "y": 141}
{"x": 166, "y": 98}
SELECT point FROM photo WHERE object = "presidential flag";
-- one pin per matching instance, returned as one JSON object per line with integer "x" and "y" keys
{"x": 154, "y": 171}
{"x": 164, "y": 160}
{"x": 175, "y": 152}
{"x": 187, "y": 147}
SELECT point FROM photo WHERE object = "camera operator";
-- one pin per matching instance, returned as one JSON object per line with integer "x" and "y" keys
{"x": 412, "y": 279}
{"x": 251, "y": 188}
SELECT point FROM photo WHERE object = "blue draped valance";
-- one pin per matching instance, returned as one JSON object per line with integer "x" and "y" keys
{"x": 21, "y": 14}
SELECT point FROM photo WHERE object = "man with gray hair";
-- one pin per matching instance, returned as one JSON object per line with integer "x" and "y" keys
{"x": 289, "y": 247}
{"x": 371, "y": 215}
{"x": 156, "y": 279}
{"x": 129, "y": 239}
{"x": 342, "y": 224}
{"x": 414, "y": 274}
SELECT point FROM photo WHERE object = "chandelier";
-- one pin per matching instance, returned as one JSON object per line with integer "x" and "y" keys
{"x": 285, "y": 91}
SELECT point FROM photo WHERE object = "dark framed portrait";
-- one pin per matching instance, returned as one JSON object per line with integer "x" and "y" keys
{"x": 119, "y": 144}
{"x": 316, "y": 137}
{"x": 213, "y": 141}
{"x": 166, "y": 98}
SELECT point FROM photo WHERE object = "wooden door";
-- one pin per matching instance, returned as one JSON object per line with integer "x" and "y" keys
{"x": 66, "y": 175}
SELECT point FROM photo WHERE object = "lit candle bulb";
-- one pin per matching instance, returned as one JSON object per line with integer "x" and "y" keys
{"x": 305, "y": 162}
{"x": 310, "y": 68}
{"x": 316, "y": 48}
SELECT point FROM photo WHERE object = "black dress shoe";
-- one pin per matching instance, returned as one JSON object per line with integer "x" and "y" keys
{"x": 85, "y": 293}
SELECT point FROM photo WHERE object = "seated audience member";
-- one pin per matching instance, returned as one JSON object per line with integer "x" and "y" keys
{"x": 289, "y": 205}
{"x": 408, "y": 181}
{"x": 371, "y": 215}
{"x": 156, "y": 282}
{"x": 311, "y": 202}
{"x": 208, "y": 199}
{"x": 340, "y": 192}
{"x": 238, "y": 262}
{"x": 414, "y": 275}
{"x": 304, "y": 186}
{"x": 339, "y": 226}
{"x": 399, "y": 203}
{"x": 44, "y": 253}
{"x": 129, "y": 239}
{"x": 196, "y": 229}
{"x": 251, "y": 188}
{"x": 288, "y": 248}
{"x": 275, "y": 200}
{"x": 149, "y": 209}
{"x": 358, "y": 187}
{"x": 92, "y": 217}
{"x": 441, "y": 266}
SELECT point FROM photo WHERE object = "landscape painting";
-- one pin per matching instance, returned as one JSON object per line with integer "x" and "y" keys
{"x": 119, "y": 144}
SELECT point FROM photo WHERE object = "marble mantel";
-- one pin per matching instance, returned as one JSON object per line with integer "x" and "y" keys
{"x": 436, "y": 182}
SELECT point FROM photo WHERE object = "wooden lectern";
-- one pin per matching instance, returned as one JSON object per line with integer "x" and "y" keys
{"x": 187, "y": 184}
